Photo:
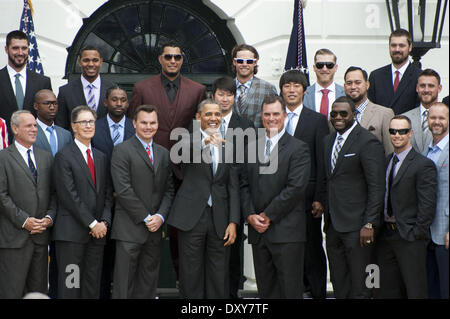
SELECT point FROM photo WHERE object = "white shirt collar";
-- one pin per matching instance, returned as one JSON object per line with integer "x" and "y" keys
{"x": 347, "y": 133}
{"x": 227, "y": 118}
{"x": 421, "y": 109}
{"x": 97, "y": 82}
{"x": 43, "y": 125}
{"x": 111, "y": 122}
{"x": 330, "y": 88}
{"x": 297, "y": 110}
{"x": 12, "y": 72}
{"x": 402, "y": 70}
{"x": 22, "y": 149}
{"x": 276, "y": 138}
{"x": 83, "y": 148}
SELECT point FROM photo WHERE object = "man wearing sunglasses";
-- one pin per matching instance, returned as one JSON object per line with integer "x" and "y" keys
{"x": 394, "y": 85}
{"x": 320, "y": 96}
{"x": 410, "y": 205}
{"x": 354, "y": 166}
{"x": 428, "y": 88}
{"x": 251, "y": 90}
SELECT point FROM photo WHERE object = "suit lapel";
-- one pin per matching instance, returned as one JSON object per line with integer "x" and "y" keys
{"x": 329, "y": 151}
{"x": 443, "y": 156}
{"x": 42, "y": 139}
{"x": 251, "y": 92}
{"x": 19, "y": 159}
{"x": 28, "y": 98}
{"x": 347, "y": 145}
{"x": 142, "y": 153}
{"x": 367, "y": 115}
{"x": 7, "y": 89}
{"x": 79, "y": 158}
{"x": 302, "y": 123}
{"x": 403, "y": 83}
{"x": 78, "y": 86}
{"x": 406, "y": 162}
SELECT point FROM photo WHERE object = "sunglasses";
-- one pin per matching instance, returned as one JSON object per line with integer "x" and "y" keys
{"x": 329, "y": 65}
{"x": 333, "y": 114}
{"x": 168, "y": 57}
{"x": 402, "y": 131}
{"x": 248, "y": 61}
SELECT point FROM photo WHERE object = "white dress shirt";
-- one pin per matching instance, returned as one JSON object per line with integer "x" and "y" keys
{"x": 97, "y": 83}
{"x": 402, "y": 71}
{"x": 344, "y": 136}
{"x": 295, "y": 119}
{"x": 331, "y": 96}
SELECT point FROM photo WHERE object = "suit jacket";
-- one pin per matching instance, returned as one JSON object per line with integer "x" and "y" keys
{"x": 311, "y": 128}
{"x": 309, "y": 99}
{"x": 439, "y": 226}
{"x": 376, "y": 120}
{"x": 445, "y": 100}
{"x": 35, "y": 83}
{"x": 355, "y": 188}
{"x": 413, "y": 196}
{"x": 79, "y": 202}
{"x": 199, "y": 183}
{"x": 381, "y": 90}
{"x": 22, "y": 197}
{"x": 259, "y": 89}
{"x": 102, "y": 139}
{"x": 142, "y": 188}
{"x": 280, "y": 195}
{"x": 71, "y": 95}
{"x": 64, "y": 138}
{"x": 420, "y": 139}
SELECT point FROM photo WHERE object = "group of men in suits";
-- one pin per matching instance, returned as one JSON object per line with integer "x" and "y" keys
{"x": 96, "y": 187}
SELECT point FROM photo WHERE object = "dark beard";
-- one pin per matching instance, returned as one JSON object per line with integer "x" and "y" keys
{"x": 358, "y": 99}
{"x": 18, "y": 66}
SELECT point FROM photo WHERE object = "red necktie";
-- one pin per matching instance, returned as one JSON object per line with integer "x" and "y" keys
{"x": 149, "y": 154}
{"x": 324, "y": 102}
{"x": 91, "y": 166}
{"x": 396, "y": 80}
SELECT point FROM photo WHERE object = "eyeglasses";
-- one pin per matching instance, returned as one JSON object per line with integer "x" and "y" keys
{"x": 329, "y": 65}
{"x": 168, "y": 57}
{"x": 85, "y": 123}
{"x": 402, "y": 131}
{"x": 241, "y": 61}
{"x": 48, "y": 103}
{"x": 333, "y": 114}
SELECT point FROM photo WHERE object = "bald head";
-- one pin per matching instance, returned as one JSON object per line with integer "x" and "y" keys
{"x": 46, "y": 106}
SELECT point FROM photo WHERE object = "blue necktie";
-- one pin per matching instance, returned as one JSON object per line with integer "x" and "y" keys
{"x": 91, "y": 97}
{"x": 53, "y": 145}
{"x": 290, "y": 124}
{"x": 116, "y": 134}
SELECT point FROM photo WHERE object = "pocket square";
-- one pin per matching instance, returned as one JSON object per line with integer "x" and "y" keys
{"x": 348, "y": 155}
{"x": 371, "y": 128}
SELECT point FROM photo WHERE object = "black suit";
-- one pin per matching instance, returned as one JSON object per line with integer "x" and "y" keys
{"x": 311, "y": 128}
{"x": 278, "y": 253}
{"x": 24, "y": 257}
{"x": 35, "y": 83}
{"x": 71, "y": 95}
{"x": 355, "y": 193}
{"x": 381, "y": 89}
{"x": 204, "y": 261}
{"x": 401, "y": 249}
{"x": 79, "y": 204}
{"x": 142, "y": 188}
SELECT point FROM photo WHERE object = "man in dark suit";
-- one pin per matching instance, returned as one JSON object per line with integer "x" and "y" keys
{"x": 52, "y": 138}
{"x": 224, "y": 92}
{"x": 89, "y": 90}
{"x": 410, "y": 205}
{"x": 206, "y": 209}
{"x": 110, "y": 131}
{"x": 394, "y": 85}
{"x": 274, "y": 201}
{"x": 310, "y": 127}
{"x": 142, "y": 177}
{"x": 176, "y": 98}
{"x": 18, "y": 85}
{"x": 27, "y": 209}
{"x": 82, "y": 181}
{"x": 355, "y": 188}
{"x": 251, "y": 90}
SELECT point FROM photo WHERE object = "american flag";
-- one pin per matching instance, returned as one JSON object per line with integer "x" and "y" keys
{"x": 26, "y": 25}
{"x": 296, "y": 56}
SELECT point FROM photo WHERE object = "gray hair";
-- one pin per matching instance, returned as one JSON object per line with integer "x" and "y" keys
{"x": 207, "y": 101}
{"x": 15, "y": 117}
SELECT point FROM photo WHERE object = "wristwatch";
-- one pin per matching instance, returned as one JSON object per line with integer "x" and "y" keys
{"x": 368, "y": 226}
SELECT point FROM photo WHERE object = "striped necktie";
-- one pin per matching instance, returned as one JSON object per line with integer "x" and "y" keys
{"x": 116, "y": 133}
{"x": 425, "y": 120}
{"x": 31, "y": 166}
{"x": 337, "y": 149}
{"x": 91, "y": 97}
{"x": 241, "y": 98}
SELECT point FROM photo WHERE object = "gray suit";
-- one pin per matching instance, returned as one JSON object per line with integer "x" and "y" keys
{"x": 420, "y": 139}
{"x": 376, "y": 120}
{"x": 309, "y": 99}
{"x": 23, "y": 257}
{"x": 64, "y": 138}
{"x": 142, "y": 188}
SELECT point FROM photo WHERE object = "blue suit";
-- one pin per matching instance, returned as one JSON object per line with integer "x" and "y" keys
{"x": 64, "y": 138}
{"x": 309, "y": 99}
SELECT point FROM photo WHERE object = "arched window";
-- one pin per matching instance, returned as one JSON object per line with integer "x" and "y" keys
{"x": 129, "y": 34}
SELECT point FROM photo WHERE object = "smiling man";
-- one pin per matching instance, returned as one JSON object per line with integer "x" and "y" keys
{"x": 90, "y": 89}
{"x": 18, "y": 85}
{"x": 394, "y": 85}
{"x": 354, "y": 164}
{"x": 206, "y": 210}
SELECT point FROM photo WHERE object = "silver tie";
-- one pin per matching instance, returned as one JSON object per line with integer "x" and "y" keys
{"x": 425, "y": 120}
{"x": 337, "y": 149}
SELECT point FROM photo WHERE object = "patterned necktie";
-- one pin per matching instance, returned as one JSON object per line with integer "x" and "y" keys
{"x": 222, "y": 128}
{"x": 396, "y": 80}
{"x": 149, "y": 153}
{"x": 358, "y": 116}
{"x": 268, "y": 146}
{"x": 91, "y": 97}
{"x": 241, "y": 98}
{"x": 213, "y": 158}
{"x": 52, "y": 141}
{"x": 395, "y": 160}
{"x": 116, "y": 133}
{"x": 19, "y": 92}
{"x": 290, "y": 123}
{"x": 91, "y": 166}
{"x": 337, "y": 149}
{"x": 324, "y": 102}
{"x": 425, "y": 120}
{"x": 31, "y": 166}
